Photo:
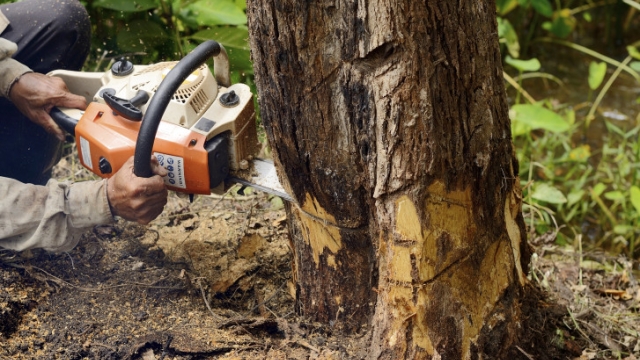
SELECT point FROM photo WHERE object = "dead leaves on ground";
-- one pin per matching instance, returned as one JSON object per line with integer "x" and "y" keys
{"x": 601, "y": 296}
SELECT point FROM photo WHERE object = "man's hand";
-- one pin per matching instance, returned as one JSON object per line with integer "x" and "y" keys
{"x": 134, "y": 198}
{"x": 36, "y": 94}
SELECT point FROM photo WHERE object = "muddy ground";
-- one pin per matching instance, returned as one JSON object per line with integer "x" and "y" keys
{"x": 211, "y": 280}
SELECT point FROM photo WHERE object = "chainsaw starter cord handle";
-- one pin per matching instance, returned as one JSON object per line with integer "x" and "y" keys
{"x": 159, "y": 102}
{"x": 66, "y": 122}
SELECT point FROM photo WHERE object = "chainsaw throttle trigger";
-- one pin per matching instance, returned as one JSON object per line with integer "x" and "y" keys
{"x": 128, "y": 109}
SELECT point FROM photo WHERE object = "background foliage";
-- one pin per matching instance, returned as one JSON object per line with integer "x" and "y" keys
{"x": 149, "y": 31}
{"x": 572, "y": 69}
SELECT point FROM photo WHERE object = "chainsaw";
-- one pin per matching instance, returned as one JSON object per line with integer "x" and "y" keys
{"x": 199, "y": 127}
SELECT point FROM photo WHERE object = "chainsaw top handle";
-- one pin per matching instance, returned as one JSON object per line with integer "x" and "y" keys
{"x": 160, "y": 100}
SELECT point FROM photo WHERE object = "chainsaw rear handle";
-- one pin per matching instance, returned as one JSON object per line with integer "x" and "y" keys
{"x": 160, "y": 100}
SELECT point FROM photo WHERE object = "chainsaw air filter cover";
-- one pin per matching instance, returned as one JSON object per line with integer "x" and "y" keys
{"x": 188, "y": 104}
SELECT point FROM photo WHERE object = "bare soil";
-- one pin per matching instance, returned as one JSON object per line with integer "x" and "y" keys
{"x": 212, "y": 280}
{"x": 208, "y": 279}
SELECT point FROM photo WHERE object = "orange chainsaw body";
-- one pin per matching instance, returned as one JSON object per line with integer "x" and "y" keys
{"x": 206, "y": 129}
{"x": 105, "y": 141}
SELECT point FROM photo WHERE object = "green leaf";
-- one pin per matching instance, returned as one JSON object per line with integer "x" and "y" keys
{"x": 633, "y": 51}
{"x": 505, "y": 6}
{"x": 597, "y": 71}
{"x": 543, "y": 7}
{"x": 575, "y": 196}
{"x": 570, "y": 115}
{"x": 598, "y": 189}
{"x": 614, "y": 195}
{"x": 277, "y": 203}
{"x": 508, "y": 35}
{"x": 523, "y": 65}
{"x": 547, "y": 193}
{"x": 218, "y": 12}
{"x": 519, "y": 128}
{"x": 622, "y": 229}
{"x": 240, "y": 60}
{"x": 141, "y": 36}
{"x": 235, "y": 41}
{"x": 242, "y": 4}
{"x": 562, "y": 24}
{"x": 538, "y": 117}
{"x": 126, "y": 5}
{"x": 229, "y": 37}
{"x": 635, "y": 197}
{"x": 635, "y": 65}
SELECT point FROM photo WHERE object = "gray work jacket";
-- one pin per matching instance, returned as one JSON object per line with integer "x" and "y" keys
{"x": 54, "y": 216}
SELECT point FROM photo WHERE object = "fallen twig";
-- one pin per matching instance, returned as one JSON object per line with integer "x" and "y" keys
{"x": 206, "y": 302}
{"x": 308, "y": 346}
{"x": 525, "y": 353}
{"x": 165, "y": 347}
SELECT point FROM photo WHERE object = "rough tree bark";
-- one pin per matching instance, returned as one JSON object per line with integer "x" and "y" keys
{"x": 389, "y": 123}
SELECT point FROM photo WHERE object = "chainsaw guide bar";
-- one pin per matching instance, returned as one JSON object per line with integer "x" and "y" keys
{"x": 262, "y": 177}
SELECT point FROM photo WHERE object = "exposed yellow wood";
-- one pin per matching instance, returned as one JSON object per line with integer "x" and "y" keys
{"x": 400, "y": 266}
{"x": 511, "y": 210}
{"x": 447, "y": 235}
{"x": 319, "y": 230}
{"x": 331, "y": 261}
{"x": 420, "y": 331}
{"x": 402, "y": 306}
{"x": 450, "y": 222}
{"x": 407, "y": 220}
{"x": 310, "y": 206}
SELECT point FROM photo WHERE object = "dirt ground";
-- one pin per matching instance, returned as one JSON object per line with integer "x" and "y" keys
{"x": 211, "y": 280}
{"x": 208, "y": 279}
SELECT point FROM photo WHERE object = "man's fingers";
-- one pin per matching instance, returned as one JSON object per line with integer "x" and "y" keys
{"x": 50, "y": 126}
{"x": 157, "y": 169}
{"x": 71, "y": 101}
{"x": 134, "y": 198}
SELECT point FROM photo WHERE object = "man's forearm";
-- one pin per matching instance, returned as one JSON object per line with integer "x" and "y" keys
{"x": 51, "y": 217}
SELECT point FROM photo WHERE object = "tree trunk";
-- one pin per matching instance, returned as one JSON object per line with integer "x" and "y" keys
{"x": 389, "y": 124}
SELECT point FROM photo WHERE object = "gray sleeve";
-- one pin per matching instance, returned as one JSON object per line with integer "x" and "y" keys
{"x": 52, "y": 217}
{"x": 10, "y": 69}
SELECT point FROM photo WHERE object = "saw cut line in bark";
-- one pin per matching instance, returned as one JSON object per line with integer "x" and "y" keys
{"x": 321, "y": 231}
